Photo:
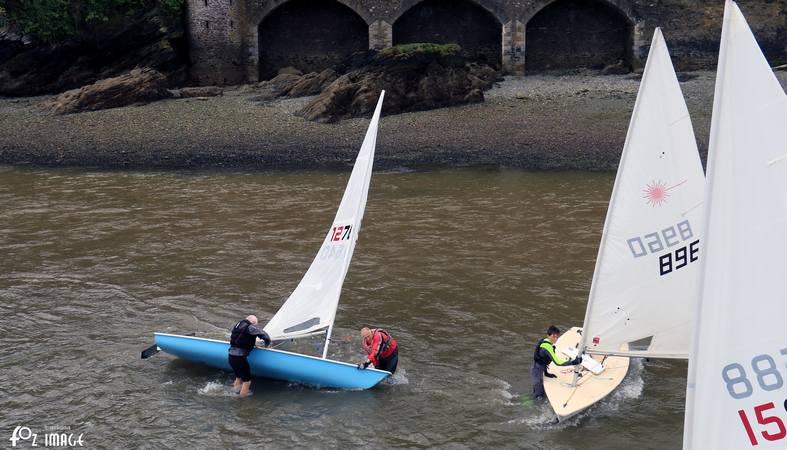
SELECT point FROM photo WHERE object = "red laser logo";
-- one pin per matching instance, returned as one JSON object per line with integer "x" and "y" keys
{"x": 656, "y": 192}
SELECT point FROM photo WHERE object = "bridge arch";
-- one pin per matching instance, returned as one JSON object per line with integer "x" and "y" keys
{"x": 579, "y": 34}
{"x": 475, "y": 25}
{"x": 259, "y": 13}
{"x": 307, "y": 35}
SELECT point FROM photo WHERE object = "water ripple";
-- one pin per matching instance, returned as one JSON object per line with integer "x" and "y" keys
{"x": 465, "y": 267}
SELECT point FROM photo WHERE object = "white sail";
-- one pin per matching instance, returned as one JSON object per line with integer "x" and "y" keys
{"x": 736, "y": 396}
{"x": 643, "y": 295}
{"x": 312, "y": 306}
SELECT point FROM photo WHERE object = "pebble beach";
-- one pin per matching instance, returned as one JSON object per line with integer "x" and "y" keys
{"x": 575, "y": 122}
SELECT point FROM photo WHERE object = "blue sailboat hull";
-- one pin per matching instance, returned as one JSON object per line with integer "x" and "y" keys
{"x": 274, "y": 364}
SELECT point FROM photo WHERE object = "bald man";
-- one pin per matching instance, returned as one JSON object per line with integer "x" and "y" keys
{"x": 242, "y": 341}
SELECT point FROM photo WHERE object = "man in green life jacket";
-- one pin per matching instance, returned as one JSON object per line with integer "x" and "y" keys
{"x": 543, "y": 355}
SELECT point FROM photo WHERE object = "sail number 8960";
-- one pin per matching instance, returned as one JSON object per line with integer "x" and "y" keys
{"x": 658, "y": 241}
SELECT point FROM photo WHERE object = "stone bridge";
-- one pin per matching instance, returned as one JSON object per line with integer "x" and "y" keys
{"x": 234, "y": 41}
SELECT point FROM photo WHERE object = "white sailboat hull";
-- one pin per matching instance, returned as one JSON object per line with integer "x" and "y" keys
{"x": 568, "y": 401}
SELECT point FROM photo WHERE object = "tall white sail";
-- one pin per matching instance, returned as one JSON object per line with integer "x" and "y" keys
{"x": 643, "y": 295}
{"x": 312, "y": 306}
{"x": 736, "y": 396}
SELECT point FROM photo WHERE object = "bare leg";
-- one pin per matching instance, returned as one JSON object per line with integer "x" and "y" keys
{"x": 236, "y": 385}
{"x": 244, "y": 390}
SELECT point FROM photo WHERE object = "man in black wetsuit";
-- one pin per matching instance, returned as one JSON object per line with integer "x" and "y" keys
{"x": 543, "y": 355}
{"x": 244, "y": 337}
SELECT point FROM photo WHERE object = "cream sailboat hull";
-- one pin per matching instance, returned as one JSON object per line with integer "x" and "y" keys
{"x": 568, "y": 401}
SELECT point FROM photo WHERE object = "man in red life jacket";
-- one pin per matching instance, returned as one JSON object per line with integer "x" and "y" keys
{"x": 381, "y": 348}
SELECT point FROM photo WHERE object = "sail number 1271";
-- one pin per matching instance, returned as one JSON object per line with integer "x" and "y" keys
{"x": 340, "y": 233}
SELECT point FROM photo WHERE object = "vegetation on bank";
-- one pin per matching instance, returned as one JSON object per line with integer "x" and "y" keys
{"x": 406, "y": 51}
{"x": 51, "y": 21}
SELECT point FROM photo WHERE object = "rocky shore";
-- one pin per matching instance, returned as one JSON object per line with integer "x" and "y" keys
{"x": 537, "y": 122}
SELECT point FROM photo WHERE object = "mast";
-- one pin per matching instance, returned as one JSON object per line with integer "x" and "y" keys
{"x": 361, "y": 206}
{"x": 691, "y": 376}
{"x": 312, "y": 305}
{"x": 327, "y": 341}
{"x": 644, "y": 266}
{"x": 610, "y": 210}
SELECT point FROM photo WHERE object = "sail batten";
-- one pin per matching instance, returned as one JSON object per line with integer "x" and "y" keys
{"x": 646, "y": 263}
{"x": 312, "y": 305}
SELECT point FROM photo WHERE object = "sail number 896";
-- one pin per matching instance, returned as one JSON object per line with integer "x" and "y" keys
{"x": 679, "y": 258}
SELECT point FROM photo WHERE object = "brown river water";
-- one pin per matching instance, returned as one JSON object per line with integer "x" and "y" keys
{"x": 466, "y": 268}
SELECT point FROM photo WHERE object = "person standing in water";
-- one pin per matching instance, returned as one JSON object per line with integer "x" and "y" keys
{"x": 543, "y": 355}
{"x": 242, "y": 341}
{"x": 381, "y": 349}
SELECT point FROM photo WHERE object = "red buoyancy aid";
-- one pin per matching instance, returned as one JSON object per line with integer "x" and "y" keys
{"x": 382, "y": 346}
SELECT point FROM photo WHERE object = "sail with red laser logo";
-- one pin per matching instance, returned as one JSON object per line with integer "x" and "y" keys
{"x": 643, "y": 295}
{"x": 644, "y": 289}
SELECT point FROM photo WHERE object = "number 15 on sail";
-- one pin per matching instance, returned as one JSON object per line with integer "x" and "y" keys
{"x": 770, "y": 416}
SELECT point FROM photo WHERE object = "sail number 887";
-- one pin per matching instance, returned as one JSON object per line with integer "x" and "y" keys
{"x": 769, "y": 378}
{"x": 767, "y": 374}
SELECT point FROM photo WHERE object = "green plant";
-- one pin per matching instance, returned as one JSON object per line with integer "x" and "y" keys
{"x": 172, "y": 5}
{"x": 3, "y": 18}
{"x": 45, "y": 20}
{"x": 54, "y": 20}
{"x": 404, "y": 51}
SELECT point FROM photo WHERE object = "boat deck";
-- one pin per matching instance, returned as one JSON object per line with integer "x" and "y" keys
{"x": 567, "y": 400}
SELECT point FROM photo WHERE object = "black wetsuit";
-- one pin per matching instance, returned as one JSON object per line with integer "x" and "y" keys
{"x": 543, "y": 355}
{"x": 244, "y": 336}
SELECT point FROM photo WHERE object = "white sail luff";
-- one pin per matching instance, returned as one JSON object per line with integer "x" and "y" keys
{"x": 369, "y": 145}
{"x": 312, "y": 305}
{"x": 738, "y": 363}
{"x": 630, "y": 293}
{"x": 612, "y": 202}
{"x": 709, "y": 171}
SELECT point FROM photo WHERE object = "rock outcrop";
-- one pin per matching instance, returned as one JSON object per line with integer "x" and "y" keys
{"x": 312, "y": 83}
{"x": 619, "y": 68}
{"x": 154, "y": 40}
{"x": 136, "y": 87}
{"x": 198, "y": 91}
{"x": 413, "y": 80}
{"x": 290, "y": 82}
